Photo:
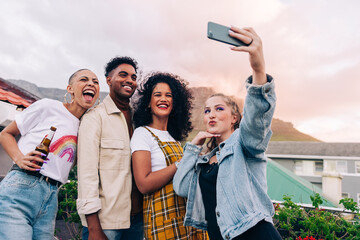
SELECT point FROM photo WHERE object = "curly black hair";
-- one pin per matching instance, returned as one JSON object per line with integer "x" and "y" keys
{"x": 179, "y": 124}
{"x": 116, "y": 61}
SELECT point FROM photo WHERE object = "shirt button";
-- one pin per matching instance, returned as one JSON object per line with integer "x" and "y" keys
{"x": 218, "y": 214}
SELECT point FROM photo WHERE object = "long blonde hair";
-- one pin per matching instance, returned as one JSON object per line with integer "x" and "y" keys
{"x": 235, "y": 111}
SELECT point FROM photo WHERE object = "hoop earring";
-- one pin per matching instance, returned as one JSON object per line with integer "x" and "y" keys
{"x": 65, "y": 98}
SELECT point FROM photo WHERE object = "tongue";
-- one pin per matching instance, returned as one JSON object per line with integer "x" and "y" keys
{"x": 88, "y": 98}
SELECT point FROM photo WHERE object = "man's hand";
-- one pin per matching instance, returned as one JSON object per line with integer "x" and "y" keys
{"x": 94, "y": 226}
{"x": 97, "y": 235}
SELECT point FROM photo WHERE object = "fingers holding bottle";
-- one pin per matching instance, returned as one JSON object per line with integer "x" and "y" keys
{"x": 31, "y": 161}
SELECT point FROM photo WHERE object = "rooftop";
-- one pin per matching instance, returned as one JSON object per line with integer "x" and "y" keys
{"x": 282, "y": 182}
{"x": 16, "y": 95}
{"x": 314, "y": 148}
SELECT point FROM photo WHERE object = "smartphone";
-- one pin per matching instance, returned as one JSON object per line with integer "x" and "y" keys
{"x": 221, "y": 33}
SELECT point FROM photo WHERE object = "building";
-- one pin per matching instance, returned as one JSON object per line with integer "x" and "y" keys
{"x": 282, "y": 182}
{"x": 12, "y": 100}
{"x": 333, "y": 167}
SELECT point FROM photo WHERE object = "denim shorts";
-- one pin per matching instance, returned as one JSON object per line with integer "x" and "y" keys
{"x": 28, "y": 207}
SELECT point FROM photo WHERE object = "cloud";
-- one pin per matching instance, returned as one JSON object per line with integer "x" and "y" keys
{"x": 310, "y": 47}
{"x": 333, "y": 128}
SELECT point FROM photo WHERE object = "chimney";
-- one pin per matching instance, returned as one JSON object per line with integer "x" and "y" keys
{"x": 331, "y": 186}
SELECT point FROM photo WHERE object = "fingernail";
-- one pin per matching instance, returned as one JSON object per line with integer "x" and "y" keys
{"x": 43, "y": 154}
{"x": 38, "y": 169}
{"x": 45, "y": 161}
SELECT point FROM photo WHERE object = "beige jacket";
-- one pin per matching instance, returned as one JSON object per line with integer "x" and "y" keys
{"x": 104, "y": 175}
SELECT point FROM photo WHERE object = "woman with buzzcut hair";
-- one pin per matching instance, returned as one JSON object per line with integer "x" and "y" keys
{"x": 162, "y": 120}
{"x": 29, "y": 192}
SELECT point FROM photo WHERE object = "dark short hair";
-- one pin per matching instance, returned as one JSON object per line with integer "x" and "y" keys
{"x": 179, "y": 124}
{"x": 116, "y": 61}
{"x": 74, "y": 74}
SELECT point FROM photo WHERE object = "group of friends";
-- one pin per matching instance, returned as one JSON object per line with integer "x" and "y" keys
{"x": 135, "y": 181}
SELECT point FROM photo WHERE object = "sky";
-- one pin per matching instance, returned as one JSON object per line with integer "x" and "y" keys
{"x": 311, "y": 48}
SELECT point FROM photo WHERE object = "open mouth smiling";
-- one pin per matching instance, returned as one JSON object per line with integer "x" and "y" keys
{"x": 163, "y": 106}
{"x": 89, "y": 94}
{"x": 128, "y": 87}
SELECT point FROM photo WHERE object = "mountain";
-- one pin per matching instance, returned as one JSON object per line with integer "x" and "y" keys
{"x": 53, "y": 93}
{"x": 285, "y": 131}
{"x": 282, "y": 131}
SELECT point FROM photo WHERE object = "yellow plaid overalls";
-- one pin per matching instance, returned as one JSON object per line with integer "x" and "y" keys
{"x": 164, "y": 211}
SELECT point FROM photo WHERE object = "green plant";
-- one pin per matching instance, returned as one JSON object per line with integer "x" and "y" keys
{"x": 349, "y": 204}
{"x": 67, "y": 206}
{"x": 316, "y": 200}
{"x": 294, "y": 222}
{"x": 289, "y": 215}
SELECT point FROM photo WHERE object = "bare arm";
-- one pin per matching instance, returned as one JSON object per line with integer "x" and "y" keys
{"x": 256, "y": 56}
{"x": 146, "y": 180}
{"x": 95, "y": 230}
{"x": 8, "y": 141}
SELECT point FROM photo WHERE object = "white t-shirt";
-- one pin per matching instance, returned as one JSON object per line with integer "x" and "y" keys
{"x": 35, "y": 122}
{"x": 142, "y": 140}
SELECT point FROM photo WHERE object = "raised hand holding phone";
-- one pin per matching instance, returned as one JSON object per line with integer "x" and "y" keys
{"x": 220, "y": 33}
{"x": 256, "y": 56}
{"x": 242, "y": 40}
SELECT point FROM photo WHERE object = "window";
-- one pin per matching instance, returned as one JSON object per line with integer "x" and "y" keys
{"x": 345, "y": 195}
{"x": 319, "y": 167}
{"x": 357, "y": 167}
{"x": 341, "y": 166}
{"x": 298, "y": 169}
{"x": 329, "y": 166}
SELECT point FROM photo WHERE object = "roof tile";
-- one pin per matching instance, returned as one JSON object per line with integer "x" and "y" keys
{"x": 13, "y": 98}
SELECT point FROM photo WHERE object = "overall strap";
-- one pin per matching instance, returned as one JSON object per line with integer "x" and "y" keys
{"x": 164, "y": 211}
{"x": 171, "y": 150}
{"x": 156, "y": 137}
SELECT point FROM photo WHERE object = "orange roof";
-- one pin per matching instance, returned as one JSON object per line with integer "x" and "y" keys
{"x": 13, "y": 98}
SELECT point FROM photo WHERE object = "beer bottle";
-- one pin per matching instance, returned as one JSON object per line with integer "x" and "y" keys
{"x": 43, "y": 147}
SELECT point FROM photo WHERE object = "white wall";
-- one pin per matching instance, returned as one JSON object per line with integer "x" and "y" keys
{"x": 7, "y": 113}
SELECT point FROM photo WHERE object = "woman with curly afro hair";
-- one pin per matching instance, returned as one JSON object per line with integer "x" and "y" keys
{"x": 162, "y": 120}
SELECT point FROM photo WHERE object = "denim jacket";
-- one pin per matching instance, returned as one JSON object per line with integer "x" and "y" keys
{"x": 241, "y": 187}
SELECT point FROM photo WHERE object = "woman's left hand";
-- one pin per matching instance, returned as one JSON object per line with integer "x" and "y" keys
{"x": 256, "y": 56}
{"x": 201, "y": 137}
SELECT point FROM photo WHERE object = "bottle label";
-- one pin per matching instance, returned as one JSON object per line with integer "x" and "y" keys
{"x": 50, "y": 135}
